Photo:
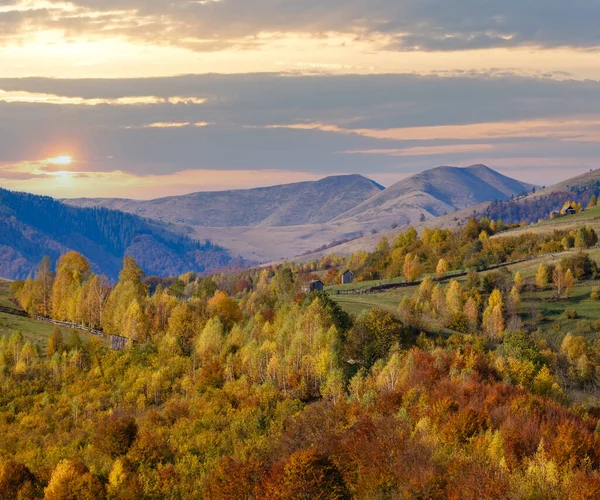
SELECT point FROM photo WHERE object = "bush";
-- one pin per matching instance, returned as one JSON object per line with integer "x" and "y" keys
{"x": 571, "y": 313}
{"x": 580, "y": 265}
{"x": 595, "y": 295}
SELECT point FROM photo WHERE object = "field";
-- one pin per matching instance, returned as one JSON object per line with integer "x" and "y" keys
{"x": 539, "y": 309}
{"x": 36, "y": 332}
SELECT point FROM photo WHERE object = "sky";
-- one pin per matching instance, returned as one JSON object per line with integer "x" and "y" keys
{"x": 151, "y": 98}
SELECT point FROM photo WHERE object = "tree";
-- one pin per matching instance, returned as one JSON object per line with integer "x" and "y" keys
{"x": 131, "y": 272}
{"x": 585, "y": 237}
{"x": 184, "y": 324}
{"x": 541, "y": 277}
{"x": 441, "y": 269}
{"x": 412, "y": 267}
{"x": 493, "y": 319}
{"x": 17, "y": 482}
{"x": 593, "y": 201}
{"x": 519, "y": 282}
{"x": 225, "y": 308}
{"x": 115, "y": 435}
{"x": 284, "y": 283}
{"x": 135, "y": 324}
{"x": 72, "y": 270}
{"x": 564, "y": 281}
{"x": 569, "y": 282}
{"x": 55, "y": 342}
{"x": 310, "y": 474}
{"x": 374, "y": 333}
{"x": 454, "y": 301}
{"x": 45, "y": 277}
{"x": 471, "y": 312}
{"x": 72, "y": 480}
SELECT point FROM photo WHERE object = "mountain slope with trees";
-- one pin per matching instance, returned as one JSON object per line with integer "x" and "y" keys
{"x": 35, "y": 226}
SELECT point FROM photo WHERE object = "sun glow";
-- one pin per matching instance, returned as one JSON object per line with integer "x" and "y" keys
{"x": 61, "y": 160}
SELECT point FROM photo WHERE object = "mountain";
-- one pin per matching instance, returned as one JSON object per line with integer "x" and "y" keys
{"x": 34, "y": 226}
{"x": 284, "y": 205}
{"x": 433, "y": 193}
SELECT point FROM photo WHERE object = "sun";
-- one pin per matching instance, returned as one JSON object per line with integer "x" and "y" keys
{"x": 61, "y": 160}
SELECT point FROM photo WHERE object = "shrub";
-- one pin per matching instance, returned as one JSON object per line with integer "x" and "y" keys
{"x": 571, "y": 313}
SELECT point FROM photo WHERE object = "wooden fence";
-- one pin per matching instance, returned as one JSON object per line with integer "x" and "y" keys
{"x": 117, "y": 342}
{"x": 392, "y": 286}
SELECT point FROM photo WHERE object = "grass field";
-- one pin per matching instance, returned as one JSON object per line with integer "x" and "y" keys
{"x": 539, "y": 309}
{"x": 36, "y": 332}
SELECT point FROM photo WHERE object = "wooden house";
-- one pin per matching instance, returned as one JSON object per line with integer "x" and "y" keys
{"x": 314, "y": 286}
{"x": 347, "y": 277}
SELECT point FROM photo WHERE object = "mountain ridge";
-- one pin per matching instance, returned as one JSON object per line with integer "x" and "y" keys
{"x": 308, "y": 202}
{"x": 301, "y": 217}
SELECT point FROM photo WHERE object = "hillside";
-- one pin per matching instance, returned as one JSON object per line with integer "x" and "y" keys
{"x": 34, "y": 226}
{"x": 284, "y": 205}
{"x": 280, "y": 222}
{"x": 434, "y": 193}
{"x": 539, "y": 205}
{"x": 590, "y": 217}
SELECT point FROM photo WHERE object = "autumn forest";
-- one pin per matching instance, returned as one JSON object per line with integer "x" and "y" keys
{"x": 246, "y": 386}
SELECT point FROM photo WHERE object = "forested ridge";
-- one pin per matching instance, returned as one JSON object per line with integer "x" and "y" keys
{"x": 243, "y": 386}
{"x": 33, "y": 226}
{"x": 531, "y": 210}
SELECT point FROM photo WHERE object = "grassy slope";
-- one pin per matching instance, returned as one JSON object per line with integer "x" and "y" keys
{"x": 567, "y": 223}
{"x": 36, "y": 332}
{"x": 553, "y": 312}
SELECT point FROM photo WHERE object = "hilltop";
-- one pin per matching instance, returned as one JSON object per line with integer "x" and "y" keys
{"x": 433, "y": 193}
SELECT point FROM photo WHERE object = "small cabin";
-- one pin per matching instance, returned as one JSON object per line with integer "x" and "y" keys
{"x": 570, "y": 210}
{"x": 347, "y": 277}
{"x": 314, "y": 286}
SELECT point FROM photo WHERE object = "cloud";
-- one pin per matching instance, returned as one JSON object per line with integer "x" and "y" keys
{"x": 405, "y": 25}
{"x": 305, "y": 125}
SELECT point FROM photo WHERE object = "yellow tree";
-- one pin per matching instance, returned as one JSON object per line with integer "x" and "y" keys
{"x": 45, "y": 278}
{"x": 471, "y": 311}
{"x": 441, "y": 269}
{"x": 493, "y": 318}
{"x": 129, "y": 289}
{"x": 412, "y": 267}
{"x": 454, "y": 301}
{"x": 569, "y": 282}
{"x": 559, "y": 278}
{"x": 72, "y": 270}
{"x": 72, "y": 479}
{"x": 541, "y": 277}
{"x": 135, "y": 325}
{"x": 519, "y": 281}
{"x": 225, "y": 308}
